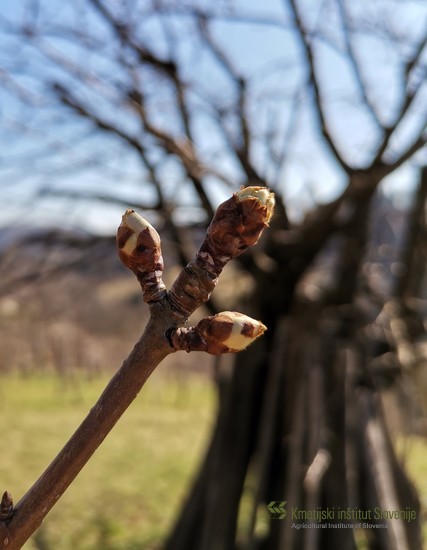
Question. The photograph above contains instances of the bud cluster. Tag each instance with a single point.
(237, 225)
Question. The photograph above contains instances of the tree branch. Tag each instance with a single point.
(242, 149)
(70, 101)
(406, 155)
(122, 30)
(354, 64)
(185, 151)
(309, 55)
(237, 225)
(407, 101)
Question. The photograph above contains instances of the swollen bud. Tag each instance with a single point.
(238, 224)
(229, 331)
(224, 332)
(139, 248)
(138, 243)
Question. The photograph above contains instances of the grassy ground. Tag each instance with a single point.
(127, 495)
(412, 452)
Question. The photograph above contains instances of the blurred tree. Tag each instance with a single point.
(198, 98)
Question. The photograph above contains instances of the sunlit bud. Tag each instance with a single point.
(229, 331)
(138, 243)
(224, 332)
(139, 249)
(238, 224)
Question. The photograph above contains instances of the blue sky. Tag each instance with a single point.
(43, 148)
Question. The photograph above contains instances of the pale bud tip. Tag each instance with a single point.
(245, 330)
(132, 220)
(229, 331)
(139, 244)
(262, 194)
(130, 229)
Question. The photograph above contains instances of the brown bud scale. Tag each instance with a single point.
(146, 255)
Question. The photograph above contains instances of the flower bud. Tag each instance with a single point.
(229, 331)
(139, 248)
(237, 224)
(138, 243)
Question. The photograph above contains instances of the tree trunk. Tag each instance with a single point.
(300, 420)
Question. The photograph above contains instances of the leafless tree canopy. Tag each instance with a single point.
(169, 105)
(204, 97)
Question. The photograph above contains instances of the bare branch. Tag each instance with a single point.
(241, 16)
(416, 56)
(185, 151)
(242, 149)
(354, 63)
(68, 99)
(319, 111)
(167, 67)
(101, 197)
(406, 155)
(411, 93)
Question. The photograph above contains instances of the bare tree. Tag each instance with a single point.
(188, 92)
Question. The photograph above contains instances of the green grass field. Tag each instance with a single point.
(127, 496)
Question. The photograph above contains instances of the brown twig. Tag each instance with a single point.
(248, 212)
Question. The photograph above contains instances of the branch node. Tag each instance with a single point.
(186, 339)
(6, 507)
(5, 536)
